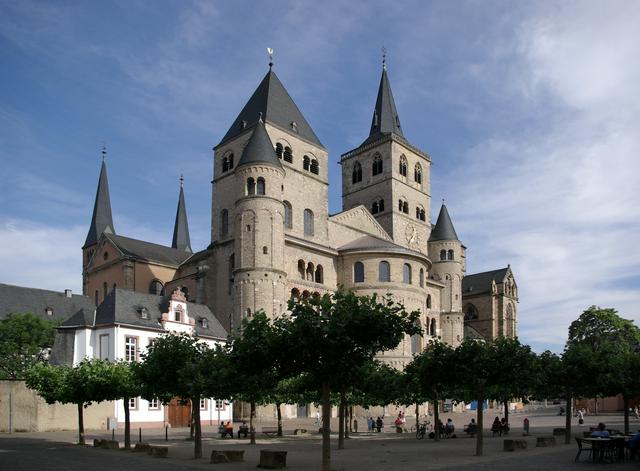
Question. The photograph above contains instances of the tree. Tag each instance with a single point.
(87, 382)
(428, 377)
(178, 366)
(124, 385)
(24, 341)
(326, 336)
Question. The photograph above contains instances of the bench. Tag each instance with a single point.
(270, 431)
(159, 451)
(471, 429)
(227, 456)
(513, 445)
(225, 432)
(142, 448)
(270, 459)
(301, 431)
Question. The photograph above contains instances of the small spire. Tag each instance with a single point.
(104, 151)
(270, 52)
(384, 58)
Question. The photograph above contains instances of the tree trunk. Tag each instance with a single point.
(252, 430)
(595, 406)
(567, 421)
(127, 425)
(506, 412)
(349, 426)
(341, 423)
(197, 426)
(279, 415)
(436, 418)
(626, 414)
(417, 416)
(479, 419)
(80, 424)
(191, 422)
(326, 418)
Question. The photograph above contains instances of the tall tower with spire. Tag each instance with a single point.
(448, 256)
(390, 176)
(101, 220)
(181, 239)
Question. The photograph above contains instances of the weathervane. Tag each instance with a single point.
(384, 58)
(104, 151)
(270, 52)
(181, 179)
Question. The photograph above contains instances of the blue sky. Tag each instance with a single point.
(530, 112)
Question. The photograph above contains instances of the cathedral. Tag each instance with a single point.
(273, 238)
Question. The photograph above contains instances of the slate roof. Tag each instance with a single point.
(443, 229)
(277, 108)
(148, 251)
(385, 115)
(259, 149)
(369, 242)
(19, 299)
(480, 283)
(101, 220)
(181, 239)
(123, 307)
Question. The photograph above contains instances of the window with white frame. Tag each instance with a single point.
(104, 346)
(154, 404)
(133, 403)
(203, 403)
(131, 348)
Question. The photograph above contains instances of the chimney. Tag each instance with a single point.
(67, 293)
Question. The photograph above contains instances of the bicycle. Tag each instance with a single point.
(421, 430)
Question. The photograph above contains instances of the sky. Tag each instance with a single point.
(530, 112)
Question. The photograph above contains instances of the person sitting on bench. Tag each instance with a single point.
(244, 429)
(472, 427)
(226, 429)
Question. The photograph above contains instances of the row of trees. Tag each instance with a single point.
(323, 352)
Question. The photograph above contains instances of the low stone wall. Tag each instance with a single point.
(25, 411)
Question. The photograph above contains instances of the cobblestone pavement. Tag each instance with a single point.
(363, 452)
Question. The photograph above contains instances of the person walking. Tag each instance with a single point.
(379, 425)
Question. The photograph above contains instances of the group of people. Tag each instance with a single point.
(374, 425)
(500, 426)
(226, 429)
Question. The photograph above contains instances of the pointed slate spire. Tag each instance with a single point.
(259, 149)
(101, 221)
(444, 227)
(277, 108)
(181, 240)
(385, 116)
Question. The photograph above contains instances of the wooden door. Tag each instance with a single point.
(179, 414)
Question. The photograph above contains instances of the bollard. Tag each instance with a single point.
(113, 434)
(525, 426)
(166, 433)
(139, 434)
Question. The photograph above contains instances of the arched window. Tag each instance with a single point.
(417, 212)
(406, 273)
(310, 271)
(288, 154)
(420, 214)
(450, 255)
(428, 301)
(417, 174)
(403, 166)
(381, 206)
(432, 330)
(225, 164)
(374, 208)
(251, 186)
(295, 293)
(265, 250)
(305, 294)
(470, 312)
(421, 278)
(356, 174)
(279, 150)
(288, 215)
(400, 205)
(358, 272)
(443, 254)
(224, 223)
(314, 166)
(319, 274)
(230, 161)
(301, 269)
(384, 271)
(248, 312)
(306, 163)
(405, 207)
(308, 222)
(260, 186)
(377, 165)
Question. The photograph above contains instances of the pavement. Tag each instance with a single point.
(364, 451)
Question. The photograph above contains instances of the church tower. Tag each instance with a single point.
(181, 239)
(448, 256)
(389, 176)
(101, 221)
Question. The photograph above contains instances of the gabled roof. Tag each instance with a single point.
(385, 115)
(259, 149)
(148, 251)
(124, 307)
(101, 220)
(443, 229)
(480, 283)
(22, 300)
(181, 240)
(277, 108)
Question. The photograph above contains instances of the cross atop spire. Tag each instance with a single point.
(384, 58)
(101, 220)
(181, 240)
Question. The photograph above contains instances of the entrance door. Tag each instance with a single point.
(303, 411)
(179, 413)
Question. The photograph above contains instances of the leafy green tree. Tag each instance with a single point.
(326, 336)
(124, 385)
(294, 390)
(178, 366)
(24, 341)
(87, 382)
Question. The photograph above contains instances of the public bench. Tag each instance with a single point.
(515, 444)
(142, 448)
(471, 429)
(270, 459)
(545, 442)
(270, 431)
(106, 444)
(159, 451)
(227, 456)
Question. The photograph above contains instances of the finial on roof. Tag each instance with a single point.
(104, 151)
(443, 201)
(181, 180)
(384, 58)
(270, 52)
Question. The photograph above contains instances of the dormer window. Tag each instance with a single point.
(294, 126)
(204, 323)
(243, 124)
(49, 311)
(144, 313)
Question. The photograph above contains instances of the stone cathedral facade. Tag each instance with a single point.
(272, 237)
